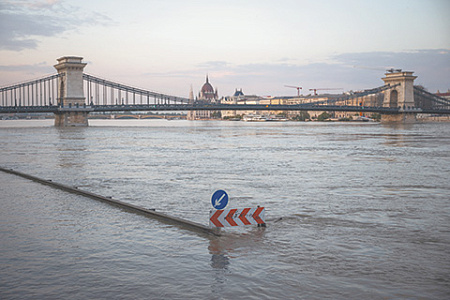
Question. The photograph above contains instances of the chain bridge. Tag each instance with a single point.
(72, 94)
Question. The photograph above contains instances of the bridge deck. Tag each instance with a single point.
(216, 107)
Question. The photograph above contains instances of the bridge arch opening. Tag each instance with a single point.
(393, 99)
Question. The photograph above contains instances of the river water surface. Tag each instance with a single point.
(353, 210)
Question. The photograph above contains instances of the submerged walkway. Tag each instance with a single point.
(151, 213)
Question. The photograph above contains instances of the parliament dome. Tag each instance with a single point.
(207, 92)
(207, 87)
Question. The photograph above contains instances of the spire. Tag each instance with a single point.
(191, 94)
(207, 81)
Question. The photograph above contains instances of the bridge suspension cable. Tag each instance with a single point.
(104, 92)
(426, 99)
(38, 92)
(344, 99)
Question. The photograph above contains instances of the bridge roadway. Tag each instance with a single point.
(216, 107)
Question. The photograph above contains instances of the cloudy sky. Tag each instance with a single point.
(257, 45)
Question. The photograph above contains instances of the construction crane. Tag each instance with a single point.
(324, 89)
(295, 87)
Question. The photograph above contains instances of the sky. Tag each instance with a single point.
(259, 46)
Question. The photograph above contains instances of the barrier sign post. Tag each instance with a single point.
(237, 217)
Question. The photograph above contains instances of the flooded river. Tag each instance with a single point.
(353, 210)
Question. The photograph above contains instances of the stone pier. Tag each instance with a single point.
(72, 109)
(405, 118)
(401, 96)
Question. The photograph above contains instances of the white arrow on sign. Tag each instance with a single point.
(219, 200)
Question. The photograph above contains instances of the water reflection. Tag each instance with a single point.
(399, 126)
(397, 140)
(219, 259)
(71, 147)
(219, 263)
(223, 249)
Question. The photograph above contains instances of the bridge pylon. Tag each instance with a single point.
(72, 109)
(400, 96)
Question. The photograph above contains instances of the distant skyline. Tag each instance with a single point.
(259, 46)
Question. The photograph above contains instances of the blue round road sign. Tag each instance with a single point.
(219, 199)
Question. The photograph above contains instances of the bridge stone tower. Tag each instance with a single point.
(72, 109)
(400, 96)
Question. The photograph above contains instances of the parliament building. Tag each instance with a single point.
(207, 95)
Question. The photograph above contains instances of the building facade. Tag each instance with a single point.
(238, 98)
(327, 99)
(445, 95)
(207, 95)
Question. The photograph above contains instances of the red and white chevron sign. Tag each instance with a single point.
(236, 217)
